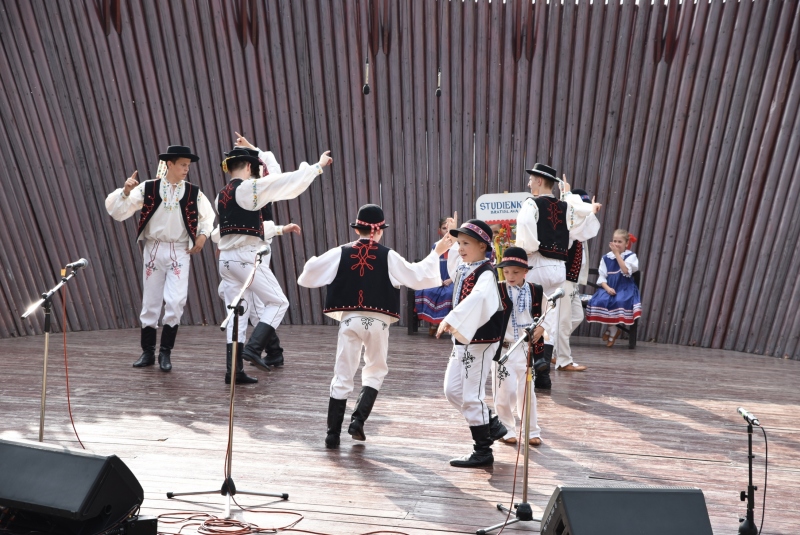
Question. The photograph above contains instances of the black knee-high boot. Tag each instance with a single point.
(482, 450)
(364, 405)
(336, 408)
(274, 350)
(542, 380)
(148, 357)
(256, 344)
(168, 334)
(241, 377)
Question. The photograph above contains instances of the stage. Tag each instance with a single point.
(657, 415)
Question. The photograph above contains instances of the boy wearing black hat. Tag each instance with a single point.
(522, 304)
(363, 279)
(241, 232)
(175, 222)
(475, 324)
(544, 229)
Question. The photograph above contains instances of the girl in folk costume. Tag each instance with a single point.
(240, 205)
(545, 227)
(363, 279)
(617, 300)
(522, 304)
(175, 222)
(433, 304)
(475, 325)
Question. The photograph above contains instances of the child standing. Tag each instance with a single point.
(522, 304)
(475, 324)
(433, 304)
(617, 300)
(363, 279)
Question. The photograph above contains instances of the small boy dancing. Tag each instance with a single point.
(363, 279)
(475, 324)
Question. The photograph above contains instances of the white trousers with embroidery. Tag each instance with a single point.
(235, 266)
(357, 332)
(165, 277)
(570, 315)
(551, 275)
(508, 387)
(465, 380)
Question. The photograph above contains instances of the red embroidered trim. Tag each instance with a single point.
(366, 309)
(191, 216)
(226, 195)
(361, 298)
(147, 207)
(363, 257)
(554, 214)
(467, 286)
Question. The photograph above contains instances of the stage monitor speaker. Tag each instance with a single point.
(628, 510)
(51, 489)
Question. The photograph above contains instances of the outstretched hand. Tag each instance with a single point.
(242, 142)
(596, 206)
(325, 159)
(451, 222)
(444, 244)
(292, 227)
(130, 183)
(444, 327)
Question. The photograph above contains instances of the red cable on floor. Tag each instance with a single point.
(66, 366)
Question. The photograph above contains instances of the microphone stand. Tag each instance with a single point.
(523, 511)
(747, 525)
(46, 303)
(228, 486)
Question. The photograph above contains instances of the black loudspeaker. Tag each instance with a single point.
(51, 489)
(626, 511)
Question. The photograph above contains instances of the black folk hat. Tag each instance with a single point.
(583, 195)
(370, 217)
(475, 228)
(544, 171)
(514, 257)
(241, 153)
(178, 151)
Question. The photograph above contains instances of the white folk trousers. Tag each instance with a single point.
(165, 282)
(508, 387)
(359, 332)
(465, 380)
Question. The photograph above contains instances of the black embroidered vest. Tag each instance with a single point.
(491, 331)
(552, 228)
(233, 219)
(362, 281)
(188, 204)
(537, 293)
(266, 212)
(574, 260)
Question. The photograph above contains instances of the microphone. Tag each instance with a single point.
(82, 263)
(265, 249)
(749, 418)
(558, 294)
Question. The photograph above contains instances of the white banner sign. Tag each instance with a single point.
(500, 207)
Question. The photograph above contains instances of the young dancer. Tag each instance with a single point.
(363, 279)
(239, 206)
(475, 325)
(175, 222)
(617, 300)
(522, 304)
(545, 226)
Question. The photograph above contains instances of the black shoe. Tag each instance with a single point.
(274, 356)
(360, 414)
(255, 346)
(496, 428)
(275, 362)
(542, 379)
(168, 334)
(241, 377)
(482, 451)
(148, 340)
(336, 408)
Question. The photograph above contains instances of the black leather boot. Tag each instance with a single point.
(542, 364)
(241, 377)
(256, 344)
(148, 357)
(496, 428)
(336, 408)
(542, 380)
(168, 334)
(482, 454)
(274, 350)
(360, 414)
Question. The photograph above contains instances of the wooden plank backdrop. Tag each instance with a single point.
(682, 118)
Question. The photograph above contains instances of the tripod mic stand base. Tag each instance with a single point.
(522, 513)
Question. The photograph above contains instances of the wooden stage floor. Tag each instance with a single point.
(658, 415)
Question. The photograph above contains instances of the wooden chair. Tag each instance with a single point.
(632, 330)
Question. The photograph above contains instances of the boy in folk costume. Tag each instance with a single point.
(522, 304)
(363, 279)
(475, 324)
(545, 226)
(175, 222)
(240, 206)
(570, 311)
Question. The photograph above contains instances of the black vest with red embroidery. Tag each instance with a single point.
(537, 293)
(574, 260)
(362, 281)
(188, 204)
(552, 228)
(492, 330)
(233, 219)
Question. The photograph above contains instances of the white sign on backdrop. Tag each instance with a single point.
(500, 207)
